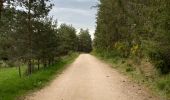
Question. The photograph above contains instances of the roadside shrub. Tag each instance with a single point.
(123, 61)
(123, 48)
(164, 84)
(161, 59)
(129, 68)
(107, 53)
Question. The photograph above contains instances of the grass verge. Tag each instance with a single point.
(158, 84)
(12, 87)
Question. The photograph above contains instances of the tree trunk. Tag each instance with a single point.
(29, 39)
(38, 64)
(29, 67)
(49, 62)
(33, 65)
(1, 7)
(45, 63)
(52, 61)
(19, 70)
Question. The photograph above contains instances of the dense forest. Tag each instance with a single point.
(137, 30)
(29, 35)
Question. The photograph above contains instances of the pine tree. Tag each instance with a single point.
(85, 42)
(67, 39)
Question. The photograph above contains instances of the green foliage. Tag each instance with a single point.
(129, 68)
(17, 40)
(85, 41)
(67, 38)
(45, 40)
(163, 84)
(119, 28)
(107, 54)
(161, 59)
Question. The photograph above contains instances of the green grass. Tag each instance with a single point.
(163, 86)
(160, 85)
(12, 87)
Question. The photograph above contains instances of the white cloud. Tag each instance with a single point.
(72, 10)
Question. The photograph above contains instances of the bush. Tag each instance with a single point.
(129, 68)
(161, 59)
(107, 53)
(164, 84)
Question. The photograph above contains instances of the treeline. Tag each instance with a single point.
(28, 35)
(135, 28)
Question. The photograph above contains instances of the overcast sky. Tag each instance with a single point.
(76, 12)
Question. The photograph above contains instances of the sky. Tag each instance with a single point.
(79, 13)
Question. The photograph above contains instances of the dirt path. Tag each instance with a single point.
(90, 79)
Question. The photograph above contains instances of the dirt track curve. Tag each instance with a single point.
(90, 79)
